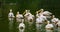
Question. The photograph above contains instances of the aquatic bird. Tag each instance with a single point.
(19, 17)
(21, 27)
(11, 15)
(29, 17)
(49, 27)
(58, 26)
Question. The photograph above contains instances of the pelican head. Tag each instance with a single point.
(41, 10)
(53, 16)
(36, 12)
(10, 10)
(18, 12)
(27, 11)
(48, 22)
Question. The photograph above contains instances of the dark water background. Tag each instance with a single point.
(21, 5)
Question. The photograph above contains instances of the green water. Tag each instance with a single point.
(5, 26)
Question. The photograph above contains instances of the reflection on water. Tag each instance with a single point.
(58, 29)
(49, 30)
(11, 24)
(29, 28)
(38, 27)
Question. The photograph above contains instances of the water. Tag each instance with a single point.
(13, 28)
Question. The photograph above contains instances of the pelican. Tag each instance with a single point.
(40, 21)
(49, 27)
(29, 17)
(19, 17)
(11, 15)
(47, 14)
(54, 20)
(26, 14)
(21, 27)
(58, 25)
(39, 12)
(40, 15)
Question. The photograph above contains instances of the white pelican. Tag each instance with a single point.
(54, 20)
(11, 15)
(58, 25)
(40, 15)
(39, 12)
(29, 17)
(19, 17)
(49, 27)
(21, 27)
(47, 14)
(40, 19)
